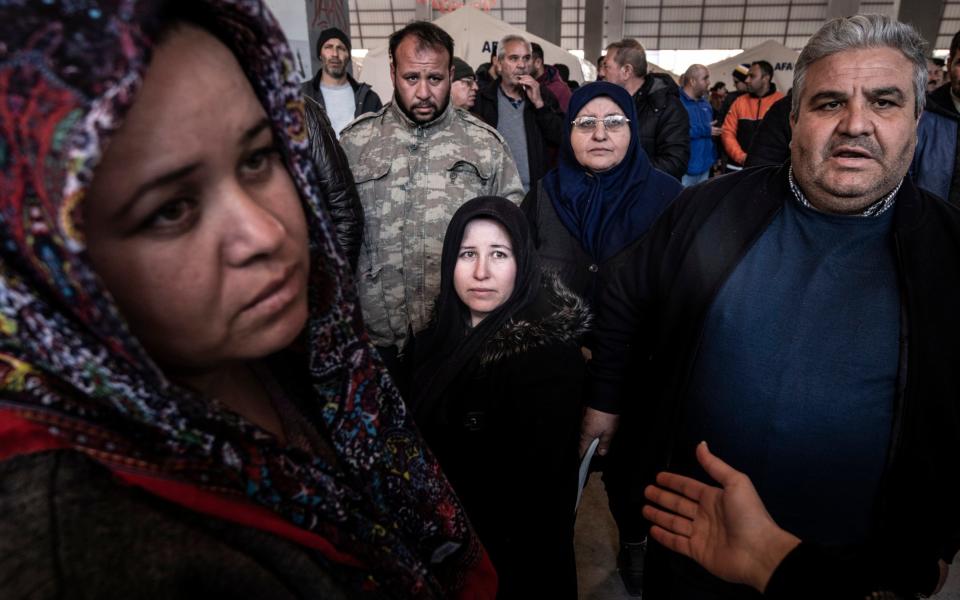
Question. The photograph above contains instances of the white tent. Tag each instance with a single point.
(474, 33)
(775, 53)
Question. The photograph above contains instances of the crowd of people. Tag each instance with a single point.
(276, 339)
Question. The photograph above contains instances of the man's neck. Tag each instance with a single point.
(330, 81)
(956, 100)
(511, 91)
(634, 84)
(763, 92)
(690, 93)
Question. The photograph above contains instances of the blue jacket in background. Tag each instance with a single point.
(936, 164)
(703, 152)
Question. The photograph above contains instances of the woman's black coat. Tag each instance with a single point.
(507, 440)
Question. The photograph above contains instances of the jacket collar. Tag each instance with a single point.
(908, 206)
(771, 91)
(563, 318)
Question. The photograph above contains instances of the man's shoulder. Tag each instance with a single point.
(476, 128)
(940, 102)
(755, 179)
(742, 103)
(365, 126)
(945, 214)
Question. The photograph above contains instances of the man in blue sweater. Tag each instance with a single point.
(801, 318)
(694, 86)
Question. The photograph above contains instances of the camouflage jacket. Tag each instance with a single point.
(411, 179)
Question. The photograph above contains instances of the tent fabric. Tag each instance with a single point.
(474, 33)
(782, 58)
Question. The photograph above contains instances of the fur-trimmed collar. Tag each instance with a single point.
(567, 320)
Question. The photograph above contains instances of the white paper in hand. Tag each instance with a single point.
(585, 469)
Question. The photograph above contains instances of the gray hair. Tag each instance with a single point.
(511, 37)
(861, 32)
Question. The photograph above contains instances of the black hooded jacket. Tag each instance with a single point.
(664, 124)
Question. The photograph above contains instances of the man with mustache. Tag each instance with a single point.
(801, 318)
(415, 161)
(332, 88)
(524, 112)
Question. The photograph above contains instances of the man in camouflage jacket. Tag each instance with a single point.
(415, 162)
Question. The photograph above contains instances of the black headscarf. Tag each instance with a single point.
(449, 345)
(607, 211)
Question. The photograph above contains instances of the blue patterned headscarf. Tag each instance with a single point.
(73, 377)
(609, 210)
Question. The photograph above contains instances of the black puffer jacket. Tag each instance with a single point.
(336, 182)
(664, 124)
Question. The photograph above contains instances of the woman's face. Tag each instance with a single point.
(486, 268)
(192, 220)
(600, 150)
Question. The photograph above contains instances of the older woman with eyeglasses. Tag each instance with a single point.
(604, 193)
(603, 196)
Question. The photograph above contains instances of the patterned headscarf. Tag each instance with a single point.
(378, 510)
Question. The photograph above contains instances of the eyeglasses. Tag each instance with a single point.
(610, 123)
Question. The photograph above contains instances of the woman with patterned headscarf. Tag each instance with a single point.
(188, 404)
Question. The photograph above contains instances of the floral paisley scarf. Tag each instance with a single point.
(377, 510)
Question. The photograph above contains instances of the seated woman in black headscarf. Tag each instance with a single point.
(497, 392)
(602, 197)
(189, 406)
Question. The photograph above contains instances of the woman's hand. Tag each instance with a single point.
(597, 424)
(727, 529)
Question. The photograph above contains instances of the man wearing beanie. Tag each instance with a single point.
(332, 88)
(463, 90)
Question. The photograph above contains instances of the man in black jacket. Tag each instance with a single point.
(525, 113)
(333, 88)
(802, 319)
(664, 123)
